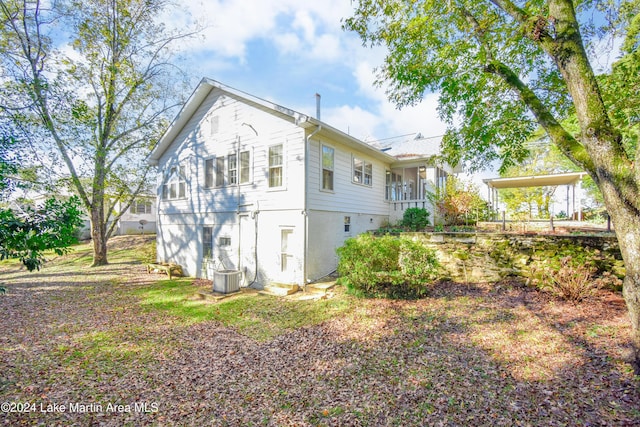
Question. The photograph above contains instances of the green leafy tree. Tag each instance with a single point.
(27, 234)
(543, 158)
(8, 165)
(99, 104)
(502, 68)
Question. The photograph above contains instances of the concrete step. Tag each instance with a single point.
(280, 289)
(320, 288)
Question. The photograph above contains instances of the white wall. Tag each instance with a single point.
(327, 233)
(180, 222)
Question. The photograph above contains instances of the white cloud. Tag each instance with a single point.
(310, 32)
(352, 120)
(288, 43)
(421, 118)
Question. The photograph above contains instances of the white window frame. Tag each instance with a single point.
(232, 169)
(330, 169)
(207, 246)
(136, 204)
(362, 171)
(175, 184)
(244, 170)
(275, 166)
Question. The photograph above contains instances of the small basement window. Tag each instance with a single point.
(347, 224)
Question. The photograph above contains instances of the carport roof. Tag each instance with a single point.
(568, 178)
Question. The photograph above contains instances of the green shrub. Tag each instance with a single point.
(386, 266)
(415, 218)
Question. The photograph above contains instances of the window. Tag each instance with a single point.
(219, 171)
(214, 169)
(208, 173)
(215, 121)
(362, 171)
(175, 186)
(327, 168)
(207, 242)
(441, 179)
(232, 167)
(140, 207)
(347, 224)
(275, 166)
(286, 257)
(245, 165)
(225, 241)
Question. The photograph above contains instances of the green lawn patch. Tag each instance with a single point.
(258, 316)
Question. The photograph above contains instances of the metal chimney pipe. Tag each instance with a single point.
(318, 106)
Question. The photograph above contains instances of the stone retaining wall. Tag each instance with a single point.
(481, 257)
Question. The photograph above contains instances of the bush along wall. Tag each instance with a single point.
(387, 266)
(571, 267)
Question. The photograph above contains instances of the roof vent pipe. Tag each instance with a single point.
(318, 106)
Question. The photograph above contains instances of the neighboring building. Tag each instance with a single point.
(252, 186)
(140, 218)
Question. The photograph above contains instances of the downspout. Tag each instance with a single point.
(238, 201)
(305, 211)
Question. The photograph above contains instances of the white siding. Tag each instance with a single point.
(346, 196)
(240, 127)
(327, 233)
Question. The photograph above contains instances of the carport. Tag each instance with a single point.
(572, 180)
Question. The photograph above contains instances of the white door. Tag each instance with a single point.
(287, 258)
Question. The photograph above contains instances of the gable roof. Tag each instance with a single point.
(206, 85)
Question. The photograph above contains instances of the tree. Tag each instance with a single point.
(101, 107)
(27, 234)
(459, 201)
(7, 163)
(502, 68)
(543, 158)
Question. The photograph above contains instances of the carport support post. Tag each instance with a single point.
(504, 221)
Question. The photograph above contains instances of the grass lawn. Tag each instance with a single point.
(114, 345)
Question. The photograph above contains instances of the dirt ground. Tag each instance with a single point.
(78, 347)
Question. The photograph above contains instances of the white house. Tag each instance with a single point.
(139, 218)
(258, 188)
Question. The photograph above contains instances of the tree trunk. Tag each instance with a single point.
(99, 238)
(627, 227)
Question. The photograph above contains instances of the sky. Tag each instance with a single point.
(286, 51)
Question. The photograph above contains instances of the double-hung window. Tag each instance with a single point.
(215, 174)
(327, 167)
(362, 172)
(275, 166)
(140, 207)
(175, 186)
(232, 167)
